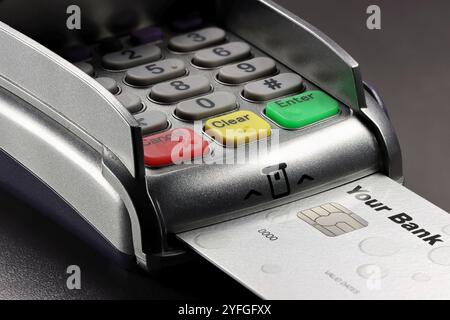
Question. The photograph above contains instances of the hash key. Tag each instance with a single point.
(271, 88)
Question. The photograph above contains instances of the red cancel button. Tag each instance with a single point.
(173, 147)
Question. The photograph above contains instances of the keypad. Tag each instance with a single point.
(206, 106)
(172, 82)
(247, 70)
(155, 72)
(180, 89)
(132, 57)
(197, 39)
(274, 87)
(221, 55)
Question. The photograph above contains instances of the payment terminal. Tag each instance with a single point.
(234, 129)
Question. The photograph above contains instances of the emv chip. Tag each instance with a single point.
(332, 219)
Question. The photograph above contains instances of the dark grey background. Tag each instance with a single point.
(408, 61)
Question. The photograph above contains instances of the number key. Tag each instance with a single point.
(197, 39)
(206, 106)
(180, 89)
(151, 121)
(218, 56)
(131, 57)
(247, 70)
(155, 72)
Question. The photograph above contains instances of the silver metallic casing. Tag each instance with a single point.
(41, 112)
(75, 137)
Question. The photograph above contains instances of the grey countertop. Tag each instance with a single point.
(407, 61)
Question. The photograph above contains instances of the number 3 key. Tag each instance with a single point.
(197, 39)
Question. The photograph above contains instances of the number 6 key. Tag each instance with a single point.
(221, 55)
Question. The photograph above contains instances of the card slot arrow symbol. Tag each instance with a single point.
(305, 177)
(252, 193)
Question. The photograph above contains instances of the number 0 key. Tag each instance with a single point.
(206, 106)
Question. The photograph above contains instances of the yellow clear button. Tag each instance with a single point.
(237, 128)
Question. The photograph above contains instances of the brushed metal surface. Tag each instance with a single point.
(377, 120)
(67, 165)
(200, 195)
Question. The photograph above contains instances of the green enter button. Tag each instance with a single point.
(301, 110)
